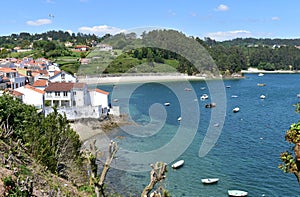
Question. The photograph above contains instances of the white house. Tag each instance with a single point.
(99, 97)
(81, 94)
(15, 79)
(60, 94)
(53, 69)
(67, 94)
(105, 47)
(32, 96)
(62, 76)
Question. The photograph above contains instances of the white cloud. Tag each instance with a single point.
(50, 1)
(171, 12)
(39, 22)
(193, 14)
(222, 7)
(100, 30)
(275, 18)
(228, 35)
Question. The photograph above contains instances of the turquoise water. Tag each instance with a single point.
(246, 154)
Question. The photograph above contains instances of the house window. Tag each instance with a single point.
(57, 93)
(65, 94)
(63, 76)
(74, 93)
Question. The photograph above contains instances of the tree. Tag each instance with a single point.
(291, 163)
(157, 175)
(91, 156)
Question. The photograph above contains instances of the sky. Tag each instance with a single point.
(217, 19)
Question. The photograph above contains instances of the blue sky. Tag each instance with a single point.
(219, 20)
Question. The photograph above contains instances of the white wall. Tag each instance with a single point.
(68, 78)
(99, 99)
(32, 97)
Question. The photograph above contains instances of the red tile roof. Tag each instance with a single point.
(79, 85)
(59, 87)
(16, 93)
(101, 91)
(39, 83)
(34, 89)
(7, 70)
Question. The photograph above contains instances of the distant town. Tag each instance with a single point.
(41, 83)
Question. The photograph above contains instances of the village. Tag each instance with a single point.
(41, 83)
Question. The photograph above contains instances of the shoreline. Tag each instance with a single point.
(137, 79)
(257, 71)
(107, 80)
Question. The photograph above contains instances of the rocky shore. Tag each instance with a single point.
(88, 128)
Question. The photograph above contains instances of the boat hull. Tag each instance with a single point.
(237, 193)
(209, 180)
(178, 164)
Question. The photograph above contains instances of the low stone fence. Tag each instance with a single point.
(75, 113)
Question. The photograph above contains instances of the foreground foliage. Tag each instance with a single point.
(291, 160)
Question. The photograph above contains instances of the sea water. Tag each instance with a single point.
(245, 152)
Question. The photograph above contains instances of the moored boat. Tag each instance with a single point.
(235, 110)
(237, 193)
(210, 105)
(261, 74)
(261, 84)
(166, 104)
(203, 97)
(209, 180)
(178, 164)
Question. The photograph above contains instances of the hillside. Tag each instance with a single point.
(21, 175)
(157, 51)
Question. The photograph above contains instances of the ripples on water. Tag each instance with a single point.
(246, 155)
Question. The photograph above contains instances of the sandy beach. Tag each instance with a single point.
(135, 79)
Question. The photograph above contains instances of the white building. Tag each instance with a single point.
(32, 96)
(60, 94)
(100, 97)
(15, 79)
(81, 94)
(62, 76)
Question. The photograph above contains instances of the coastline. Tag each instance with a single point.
(256, 71)
(169, 77)
(136, 79)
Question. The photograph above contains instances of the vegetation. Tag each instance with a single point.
(291, 160)
(151, 53)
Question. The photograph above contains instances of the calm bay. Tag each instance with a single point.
(245, 154)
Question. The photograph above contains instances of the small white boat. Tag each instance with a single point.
(298, 95)
(262, 96)
(261, 84)
(166, 104)
(234, 96)
(216, 125)
(177, 164)
(261, 74)
(237, 193)
(203, 97)
(228, 86)
(236, 109)
(209, 180)
(179, 119)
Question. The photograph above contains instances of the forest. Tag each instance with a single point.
(230, 56)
